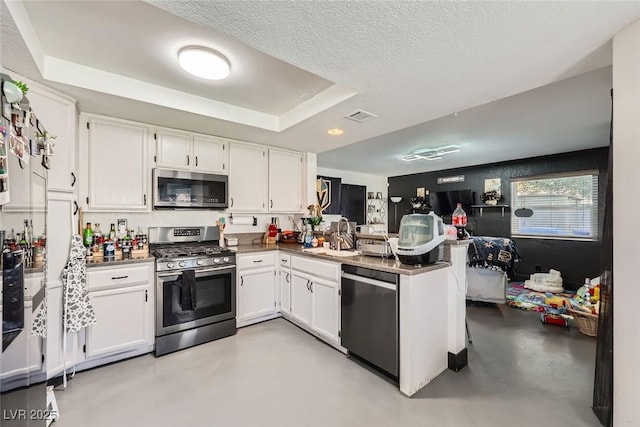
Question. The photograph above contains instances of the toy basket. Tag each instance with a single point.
(587, 322)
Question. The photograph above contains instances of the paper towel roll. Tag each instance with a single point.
(242, 220)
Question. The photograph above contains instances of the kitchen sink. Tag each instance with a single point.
(332, 252)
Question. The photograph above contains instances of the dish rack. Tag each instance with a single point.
(372, 247)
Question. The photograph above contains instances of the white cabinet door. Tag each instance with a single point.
(301, 305)
(24, 355)
(247, 178)
(285, 181)
(326, 308)
(122, 320)
(211, 154)
(285, 290)
(27, 185)
(58, 115)
(257, 293)
(173, 149)
(118, 173)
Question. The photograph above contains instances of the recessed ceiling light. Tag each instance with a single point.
(204, 63)
(335, 131)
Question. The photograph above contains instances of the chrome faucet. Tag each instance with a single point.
(338, 238)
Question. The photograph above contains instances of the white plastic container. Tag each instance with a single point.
(231, 241)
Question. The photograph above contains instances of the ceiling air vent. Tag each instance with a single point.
(360, 116)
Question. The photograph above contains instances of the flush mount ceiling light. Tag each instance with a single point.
(335, 131)
(204, 63)
(431, 153)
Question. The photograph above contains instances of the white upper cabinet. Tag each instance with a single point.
(247, 177)
(210, 154)
(189, 151)
(117, 177)
(173, 149)
(58, 115)
(286, 177)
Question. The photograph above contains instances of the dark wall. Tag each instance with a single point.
(574, 259)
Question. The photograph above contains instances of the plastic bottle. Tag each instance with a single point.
(459, 220)
(308, 238)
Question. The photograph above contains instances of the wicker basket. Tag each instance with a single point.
(587, 322)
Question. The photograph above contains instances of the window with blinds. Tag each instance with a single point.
(556, 206)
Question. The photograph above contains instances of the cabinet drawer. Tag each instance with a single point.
(326, 269)
(262, 259)
(284, 260)
(32, 285)
(118, 277)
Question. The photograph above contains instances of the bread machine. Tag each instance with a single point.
(421, 239)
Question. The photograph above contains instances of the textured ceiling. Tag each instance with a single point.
(569, 115)
(409, 62)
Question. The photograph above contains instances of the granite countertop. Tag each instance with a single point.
(375, 263)
(138, 260)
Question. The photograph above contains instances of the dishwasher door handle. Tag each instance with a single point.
(368, 281)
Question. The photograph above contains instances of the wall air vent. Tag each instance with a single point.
(360, 116)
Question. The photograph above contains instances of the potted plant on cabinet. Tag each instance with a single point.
(490, 197)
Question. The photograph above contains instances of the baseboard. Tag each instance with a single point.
(458, 361)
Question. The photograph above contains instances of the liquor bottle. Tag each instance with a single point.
(30, 231)
(88, 236)
(459, 220)
(97, 234)
(112, 233)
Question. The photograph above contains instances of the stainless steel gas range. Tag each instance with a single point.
(195, 287)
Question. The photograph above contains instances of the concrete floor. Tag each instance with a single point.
(521, 373)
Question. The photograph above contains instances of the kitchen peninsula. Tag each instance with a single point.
(431, 307)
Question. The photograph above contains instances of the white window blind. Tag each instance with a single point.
(556, 206)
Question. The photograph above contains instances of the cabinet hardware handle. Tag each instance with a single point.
(241, 280)
(188, 160)
(311, 287)
(146, 295)
(145, 200)
(255, 261)
(287, 277)
(73, 175)
(232, 202)
(223, 166)
(308, 283)
(75, 211)
(119, 277)
(271, 204)
(196, 161)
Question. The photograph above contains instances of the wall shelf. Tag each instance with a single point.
(376, 211)
(482, 207)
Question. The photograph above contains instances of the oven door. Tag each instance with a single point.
(215, 299)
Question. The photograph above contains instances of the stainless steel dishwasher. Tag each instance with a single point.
(369, 329)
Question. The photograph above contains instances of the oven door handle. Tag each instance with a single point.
(206, 270)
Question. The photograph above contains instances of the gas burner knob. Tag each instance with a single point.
(182, 264)
(170, 265)
(225, 259)
(199, 262)
(216, 260)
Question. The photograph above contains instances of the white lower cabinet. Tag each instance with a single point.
(123, 300)
(23, 357)
(121, 324)
(285, 290)
(256, 288)
(301, 310)
(325, 318)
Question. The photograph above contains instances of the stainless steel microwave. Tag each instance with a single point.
(189, 190)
